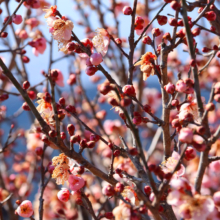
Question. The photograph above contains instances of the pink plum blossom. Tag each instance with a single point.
(40, 46)
(25, 209)
(169, 165)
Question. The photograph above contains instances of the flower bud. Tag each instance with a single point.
(169, 88)
(80, 170)
(196, 32)
(108, 190)
(172, 22)
(91, 70)
(96, 59)
(186, 135)
(190, 153)
(175, 5)
(147, 40)
(125, 102)
(119, 187)
(205, 49)
(175, 102)
(127, 10)
(133, 151)
(62, 135)
(109, 215)
(210, 16)
(63, 195)
(91, 144)
(139, 20)
(217, 97)
(137, 120)
(192, 62)
(70, 129)
(210, 107)
(147, 190)
(25, 59)
(212, 28)
(216, 198)
(5, 96)
(118, 41)
(70, 108)
(71, 46)
(156, 32)
(52, 133)
(72, 79)
(26, 107)
(39, 151)
(4, 34)
(129, 90)
(17, 19)
(112, 101)
(147, 108)
(116, 153)
(181, 86)
(83, 143)
(94, 137)
(26, 85)
(75, 139)
(161, 19)
(167, 36)
(79, 201)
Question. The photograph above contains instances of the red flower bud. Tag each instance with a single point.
(25, 59)
(161, 19)
(26, 107)
(127, 10)
(125, 102)
(170, 88)
(80, 169)
(91, 144)
(137, 120)
(26, 85)
(192, 62)
(147, 108)
(52, 133)
(116, 153)
(118, 41)
(4, 34)
(133, 151)
(91, 70)
(147, 40)
(70, 108)
(39, 151)
(62, 135)
(129, 90)
(210, 16)
(70, 129)
(175, 5)
(71, 46)
(156, 32)
(109, 215)
(94, 137)
(75, 139)
(196, 32)
(210, 107)
(139, 20)
(119, 187)
(147, 190)
(172, 22)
